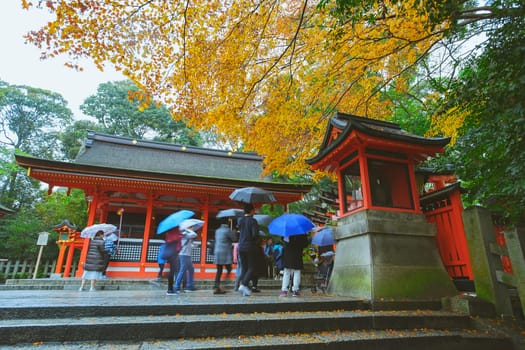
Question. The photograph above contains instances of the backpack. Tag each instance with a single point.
(174, 246)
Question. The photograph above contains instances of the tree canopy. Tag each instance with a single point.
(117, 113)
(489, 99)
(267, 75)
(30, 119)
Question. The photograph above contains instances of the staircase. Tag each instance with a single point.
(149, 319)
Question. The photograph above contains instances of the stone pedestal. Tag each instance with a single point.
(383, 255)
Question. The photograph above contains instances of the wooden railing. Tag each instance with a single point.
(11, 269)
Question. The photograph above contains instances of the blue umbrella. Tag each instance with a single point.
(324, 237)
(174, 220)
(290, 225)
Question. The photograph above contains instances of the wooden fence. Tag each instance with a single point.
(11, 269)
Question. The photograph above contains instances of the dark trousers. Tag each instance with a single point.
(174, 269)
(249, 261)
(107, 258)
(219, 273)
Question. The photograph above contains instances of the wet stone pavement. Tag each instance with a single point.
(146, 305)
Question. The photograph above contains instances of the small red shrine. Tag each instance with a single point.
(68, 240)
(385, 246)
(135, 184)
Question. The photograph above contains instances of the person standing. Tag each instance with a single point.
(268, 257)
(223, 254)
(186, 265)
(293, 262)
(95, 263)
(248, 236)
(278, 259)
(110, 249)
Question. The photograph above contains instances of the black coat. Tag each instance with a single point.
(293, 252)
(95, 255)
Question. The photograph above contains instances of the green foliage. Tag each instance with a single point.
(30, 119)
(412, 109)
(60, 206)
(117, 114)
(489, 155)
(73, 137)
(19, 231)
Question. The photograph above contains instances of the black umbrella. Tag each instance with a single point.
(252, 195)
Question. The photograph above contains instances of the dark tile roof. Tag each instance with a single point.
(5, 210)
(387, 130)
(159, 157)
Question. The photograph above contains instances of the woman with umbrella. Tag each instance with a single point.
(187, 228)
(293, 262)
(294, 228)
(95, 263)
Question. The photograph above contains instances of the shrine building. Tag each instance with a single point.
(134, 184)
(386, 246)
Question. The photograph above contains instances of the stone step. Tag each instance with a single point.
(173, 326)
(150, 319)
(121, 284)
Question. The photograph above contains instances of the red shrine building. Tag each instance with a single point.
(135, 184)
(396, 238)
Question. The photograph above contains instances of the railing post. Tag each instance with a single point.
(515, 238)
(479, 230)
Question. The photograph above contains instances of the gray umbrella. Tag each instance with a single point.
(252, 195)
(263, 219)
(230, 213)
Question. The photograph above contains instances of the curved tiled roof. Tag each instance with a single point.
(385, 130)
(127, 153)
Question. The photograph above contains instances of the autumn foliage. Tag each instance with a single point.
(265, 75)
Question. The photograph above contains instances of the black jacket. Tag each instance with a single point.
(293, 252)
(95, 256)
(248, 233)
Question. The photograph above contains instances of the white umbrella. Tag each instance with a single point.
(195, 223)
(91, 231)
(230, 213)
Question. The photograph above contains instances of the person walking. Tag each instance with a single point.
(223, 254)
(95, 262)
(248, 236)
(186, 265)
(259, 269)
(293, 262)
(171, 255)
(162, 262)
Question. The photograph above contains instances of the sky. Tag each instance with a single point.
(20, 63)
